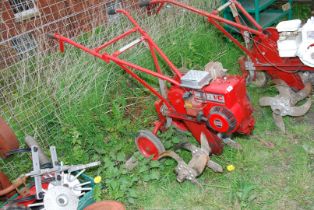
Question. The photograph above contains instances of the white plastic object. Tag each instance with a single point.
(288, 46)
(289, 25)
(289, 38)
(306, 48)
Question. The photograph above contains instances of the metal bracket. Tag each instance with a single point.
(55, 163)
(249, 66)
(234, 10)
(37, 177)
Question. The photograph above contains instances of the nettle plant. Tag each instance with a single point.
(122, 184)
(113, 149)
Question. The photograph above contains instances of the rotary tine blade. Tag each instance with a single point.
(279, 122)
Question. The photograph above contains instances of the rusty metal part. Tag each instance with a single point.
(279, 122)
(4, 183)
(8, 140)
(14, 186)
(228, 141)
(106, 205)
(307, 77)
(284, 104)
(215, 69)
(200, 160)
(215, 166)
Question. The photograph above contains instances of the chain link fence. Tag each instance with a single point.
(39, 85)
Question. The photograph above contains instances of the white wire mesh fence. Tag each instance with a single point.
(39, 85)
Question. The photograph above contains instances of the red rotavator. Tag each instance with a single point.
(208, 102)
(285, 53)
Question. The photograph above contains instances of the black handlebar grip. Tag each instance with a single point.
(144, 3)
(112, 12)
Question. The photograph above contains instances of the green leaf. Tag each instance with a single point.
(168, 162)
(167, 144)
(132, 193)
(146, 177)
(100, 151)
(154, 164)
(124, 171)
(143, 168)
(114, 185)
(175, 140)
(131, 200)
(135, 179)
(121, 156)
(155, 175)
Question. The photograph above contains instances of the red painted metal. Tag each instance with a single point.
(29, 192)
(106, 205)
(4, 183)
(185, 114)
(32, 192)
(197, 128)
(263, 53)
(148, 148)
(8, 140)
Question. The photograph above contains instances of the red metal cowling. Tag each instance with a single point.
(232, 110)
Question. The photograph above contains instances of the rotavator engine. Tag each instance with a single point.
(212, 96)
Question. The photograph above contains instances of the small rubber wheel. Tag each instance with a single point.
(8, 140)
(149, 144)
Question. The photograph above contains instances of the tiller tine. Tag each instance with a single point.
(266, 101)
(215, 166)
(231, 143)
(302, 94)
(173, 155)
(284, 103)
(205, 147)
(283, 89)
(279, 122)
(204, 144)
(286, 92)
(300, 110)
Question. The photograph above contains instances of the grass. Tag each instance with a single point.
(100, 109)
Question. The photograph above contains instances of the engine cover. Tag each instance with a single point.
(297, 40)
(223, 103)
(306, 48)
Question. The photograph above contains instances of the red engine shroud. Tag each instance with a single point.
(223, 103)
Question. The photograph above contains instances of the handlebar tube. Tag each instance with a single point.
(125, 65)
(213, 15)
